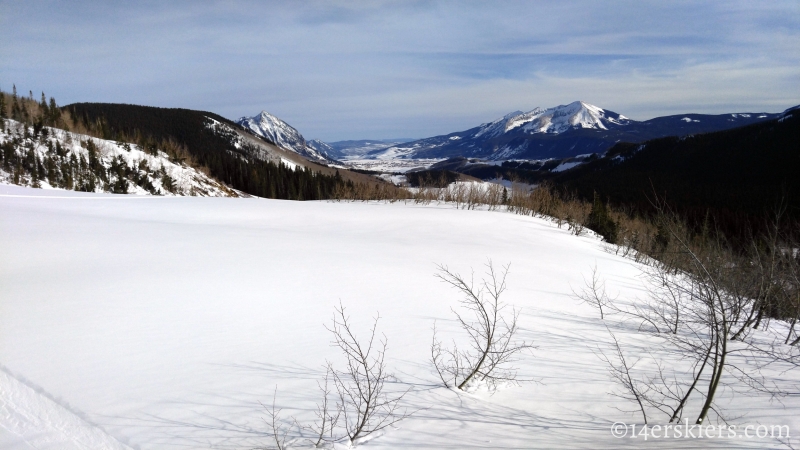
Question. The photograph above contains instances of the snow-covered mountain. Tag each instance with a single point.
(576, 115)
(283, 135)
(323, 148)
(558, 132)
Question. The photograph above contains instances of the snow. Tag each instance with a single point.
(390, 165)
(162, 322)
(288, 164)
(397, 180)
(689, 119)
(566, 166)
(564, 117)
(31, 419)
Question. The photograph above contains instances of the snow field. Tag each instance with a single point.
(164, 321)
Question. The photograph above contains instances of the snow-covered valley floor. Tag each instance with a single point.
(162, 322)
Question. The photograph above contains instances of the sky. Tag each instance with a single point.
(340, 70)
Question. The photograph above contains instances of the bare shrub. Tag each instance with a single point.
(594, 294)
(379, 190)
(619, 370)
(323, 428)
(699, 304)
(278, 431)
(493, 346)
(364, 406)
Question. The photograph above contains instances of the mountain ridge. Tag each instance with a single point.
(561, 131)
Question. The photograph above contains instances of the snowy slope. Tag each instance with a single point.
(150, 173)
(354, 149)
(166, 320)
(322, 148)
(555, 120)
(31, 420)
(281, 134)
(558, 132)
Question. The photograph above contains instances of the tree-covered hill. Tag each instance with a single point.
(210, 141)
(728, 179)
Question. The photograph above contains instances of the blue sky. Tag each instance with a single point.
(385, 69)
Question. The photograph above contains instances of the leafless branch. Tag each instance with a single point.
(491, 331)
(364, 406)
(594, 294)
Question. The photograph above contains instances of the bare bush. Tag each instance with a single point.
(594, 294)
(278, 431)
(699, 304)
(664, 308)
(493, 346)
(364, 405)
(619, 370)
(327, 415)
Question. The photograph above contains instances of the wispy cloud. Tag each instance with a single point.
(339, 70)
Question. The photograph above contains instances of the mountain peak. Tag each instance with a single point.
(267, 115)
(280, 133)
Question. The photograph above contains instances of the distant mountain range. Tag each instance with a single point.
(559, 132)
(562, 131)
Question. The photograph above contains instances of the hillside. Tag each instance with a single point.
(735, 176)
(230, 154)
(54, 158)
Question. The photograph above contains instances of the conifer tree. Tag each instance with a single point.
(3, 107)
(600, 222)
(43, 107)
(14, 104)
(55, 113)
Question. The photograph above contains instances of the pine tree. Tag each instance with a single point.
(3, 114)
(661, 240)
(600, 222)
(55, 113)
(43, 107)
(14, 104)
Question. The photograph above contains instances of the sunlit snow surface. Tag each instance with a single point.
(159, 322)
